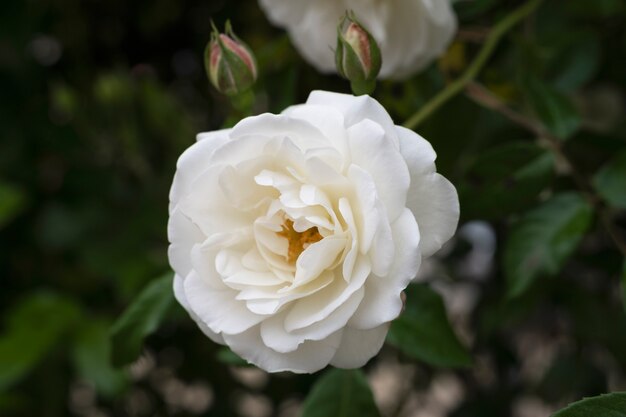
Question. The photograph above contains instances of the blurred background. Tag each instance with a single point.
(99, 98)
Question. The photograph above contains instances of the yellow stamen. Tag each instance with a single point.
(298, 241)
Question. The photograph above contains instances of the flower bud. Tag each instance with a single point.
(357, 56)
(229, 63)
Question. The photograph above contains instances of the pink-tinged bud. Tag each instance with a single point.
(357, 56)
(229, 63)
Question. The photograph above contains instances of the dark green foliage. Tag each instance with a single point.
(34, 328)
(610, 181)
(505, 180)
(92, 355)
(424, 333)
(610, 405)
(543, 239)
(553, 108)
(340, 393)
(141, 318)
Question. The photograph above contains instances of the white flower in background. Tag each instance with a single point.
(410, 33)
(293, 235)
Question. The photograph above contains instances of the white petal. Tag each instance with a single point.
(302, 133)
(239, 186)
(359, 346)
(319, 306)
(371, 150)
(246, 278)
(179, 293)
(203, 262)
(327, 119)
(348, 263)
(432, 198)
(276, 337)
(219, 310)
(254, 261)
(212, 135)
(417, 151)
(236, 237)
(365, 210)
(357, 109)
(268, 301)
(310, 357)
(321, 172)
(382, 302)
(208, 208)
(318, 257)
(183, 235)
(383, 248)
(193, 162)
(435, 204)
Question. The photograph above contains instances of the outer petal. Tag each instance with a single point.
(310, 357)
(359, 346)
(371, 150)
(276, 337)
(432, 198)
(357, 109)
(179, 293)
(417, 151)
(218, 309)
(183, 235)
(328, 120)
(435, 204)
(301, 132)
(382, 302)
(193, 161)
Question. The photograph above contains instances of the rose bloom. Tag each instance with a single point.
(410, 33)
(293, 235)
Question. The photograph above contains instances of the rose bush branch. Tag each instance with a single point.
(482, 96)
(457, 86)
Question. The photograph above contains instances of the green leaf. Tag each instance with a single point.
(12, 201)
(576, 60)
(424, 332)
(92, 358)
(610, 181)
(505, 180)
(608, 405)
(140, 319)
(340, 393)
(543, 239)
(34, 327)
(554, 109)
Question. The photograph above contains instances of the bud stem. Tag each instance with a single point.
(243, 102)
(360, 88)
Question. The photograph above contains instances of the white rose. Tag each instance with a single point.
(410, 33)
(293, 235)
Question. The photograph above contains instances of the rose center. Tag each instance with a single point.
(298, 241)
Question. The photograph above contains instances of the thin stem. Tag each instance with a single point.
(485, 98)
(476, 66)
